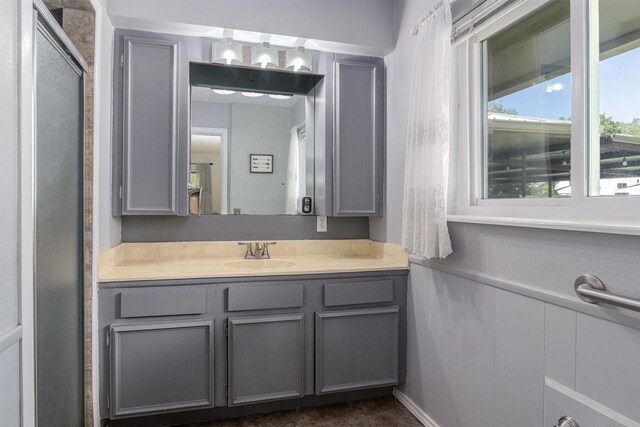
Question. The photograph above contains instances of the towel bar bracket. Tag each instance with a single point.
(591, 289)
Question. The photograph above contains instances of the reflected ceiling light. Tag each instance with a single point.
(625, 163)
(298, 60)
(264, 55)
(224, 91)
(252, 94)
(278, 96)
(227, 51)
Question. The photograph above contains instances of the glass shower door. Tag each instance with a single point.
(59, 234)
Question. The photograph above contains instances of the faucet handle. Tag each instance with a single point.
(249, 253)
(265, 251)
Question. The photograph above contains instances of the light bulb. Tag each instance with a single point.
(223, 91)
(624, 162)
(252, 94)
(227, 51)
(229, 56)
(278, 96)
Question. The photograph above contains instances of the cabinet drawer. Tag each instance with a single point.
(264, 297)
(358, 293)
(162, 302)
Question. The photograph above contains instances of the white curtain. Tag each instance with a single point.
(293, 174)
(424, 226)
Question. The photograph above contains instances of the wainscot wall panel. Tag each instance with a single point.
(483, 351)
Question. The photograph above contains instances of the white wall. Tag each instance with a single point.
(10, 330)
(398, 86)
(259, 129)
(108, 226)
(495, 333)
(357, 23)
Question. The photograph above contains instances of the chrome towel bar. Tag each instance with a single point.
(591, 289)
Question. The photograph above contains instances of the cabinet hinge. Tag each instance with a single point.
(226, 390)
(108, 338)
(108, 401)
(226, 330)
(122, 60)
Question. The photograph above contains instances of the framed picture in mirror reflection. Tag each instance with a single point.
(261, 163)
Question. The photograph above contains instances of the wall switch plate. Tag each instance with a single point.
(321, 224)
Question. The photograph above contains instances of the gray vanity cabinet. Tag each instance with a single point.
(358, 136)
(160, 366)
(356, 349)
(265, 358)
(280, 342)
(150, 125)
(350, 121)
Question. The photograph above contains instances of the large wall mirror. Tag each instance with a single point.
(252, 145)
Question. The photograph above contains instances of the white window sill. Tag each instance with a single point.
(610, 227)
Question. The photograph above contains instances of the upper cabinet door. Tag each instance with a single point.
(154, 123)
(358, 136)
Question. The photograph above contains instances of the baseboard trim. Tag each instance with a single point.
(415, 410)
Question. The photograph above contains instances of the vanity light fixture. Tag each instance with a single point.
(264, 55)
(278, 96)
(223, 91)
(298, 59)
(227, 51)
(252, 94)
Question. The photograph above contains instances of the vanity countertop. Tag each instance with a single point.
(186, 260)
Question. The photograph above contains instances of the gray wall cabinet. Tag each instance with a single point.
(265, 358)
(150, 125)
(350, 121)
(277, 339)
(160, 366)
(356, 349)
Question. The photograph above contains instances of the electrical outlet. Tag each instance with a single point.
(321, 224)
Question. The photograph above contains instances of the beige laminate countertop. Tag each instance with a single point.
(192, 260)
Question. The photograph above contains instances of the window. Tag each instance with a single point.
(616, 144)
(547, 128)
(527, 102)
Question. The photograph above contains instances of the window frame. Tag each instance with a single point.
(580, 211)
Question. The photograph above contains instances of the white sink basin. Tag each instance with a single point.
(259, 264)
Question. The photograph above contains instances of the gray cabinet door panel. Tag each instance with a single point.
(356, 349)
(358, 136)
(265, 358)
(152, 127)
(157, 367)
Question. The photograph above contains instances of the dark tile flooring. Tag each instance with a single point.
(382, 412)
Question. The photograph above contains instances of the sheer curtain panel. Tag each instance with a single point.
(424, 225)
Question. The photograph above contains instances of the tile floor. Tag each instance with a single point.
(382, 412)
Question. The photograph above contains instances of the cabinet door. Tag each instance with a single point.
(356, 349)
(358, 136)
(154, 136)
(266, 358)
(161, 367)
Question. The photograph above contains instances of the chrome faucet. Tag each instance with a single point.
(249, 254)
(257, 250)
